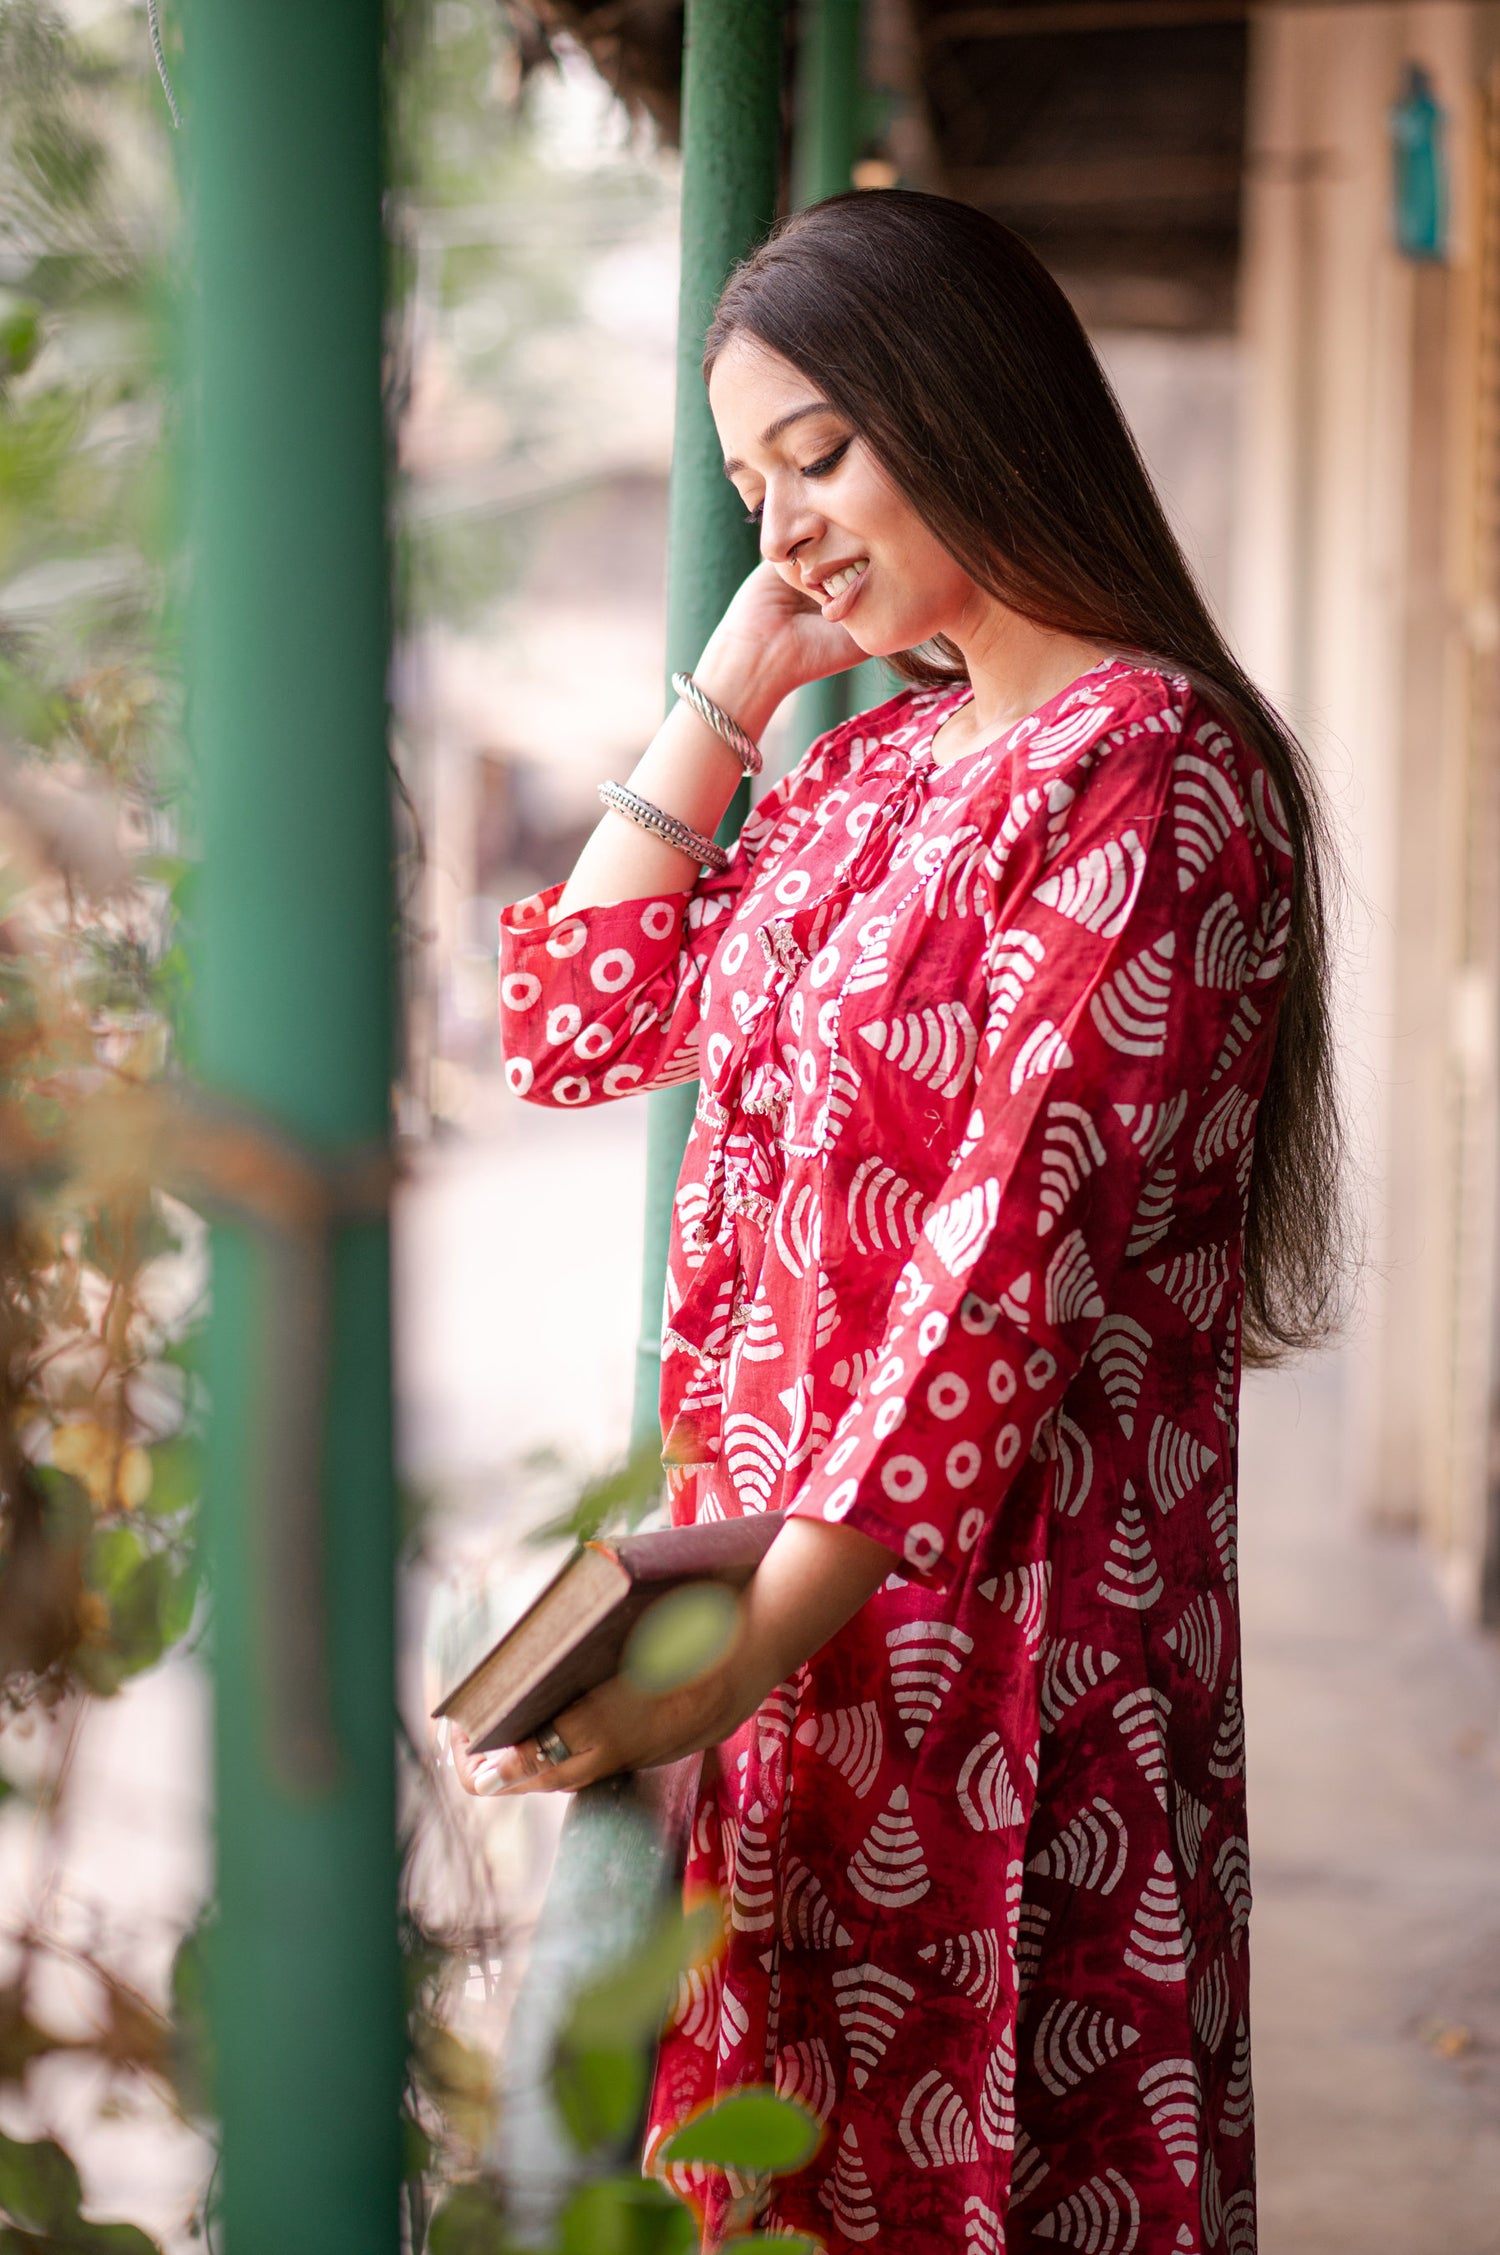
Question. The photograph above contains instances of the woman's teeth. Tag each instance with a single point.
(845, 578)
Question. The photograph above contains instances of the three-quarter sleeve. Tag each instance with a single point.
(1115, 972)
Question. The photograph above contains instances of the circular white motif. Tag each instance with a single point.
(564, 1021)
(887, 1375)
(1008, 1446)
(571, 1089)
(520, 1074)
(970, 1527)
(1040, 1367)
(977, 1316)
(565, 939)
(795, 1013)
(904, 1479)
(963, 1464)
(828, 1022)
(924, 1546)
(931, 1332)
(594, 1040)
(842, 1500)
(619, 1078)
(1001, 1382)
(857, 821)
(839, 1455)
(792, 889)
(519, 989)
(947, 1396)
(807, 1071)
(612, 970)
(888, 1417)
(658, 918)
(734, 953)
(717, 1054)
(824, 964)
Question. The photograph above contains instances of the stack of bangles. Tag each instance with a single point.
(655, 819)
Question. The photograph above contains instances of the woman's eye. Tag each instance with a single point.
(829, 462)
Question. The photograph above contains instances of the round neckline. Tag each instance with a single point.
(922, 753)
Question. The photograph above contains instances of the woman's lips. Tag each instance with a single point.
(839, 605)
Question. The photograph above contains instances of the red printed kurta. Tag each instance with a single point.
(957, 1261)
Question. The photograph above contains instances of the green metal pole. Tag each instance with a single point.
(731, 146)
(294, 1025)
(829, 82)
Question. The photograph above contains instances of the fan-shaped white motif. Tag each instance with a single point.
(1142, 1717)
(1175, 1462)
(804, 2071)
(1069, 1669)
(1031, 1935)
(1022, 1593)
(971, 1962)
(1012, 967)
(926, 1660)
(1153, 1213)
(1099, 890)
(1208, 2007)
(1190, 1820)
(1131, 1575)
(997, 2097)
(1090, 1850)
(1206, 811)
(1072, 2040)
(760, 1341)
(872, 965)
(935, 2126)
(953, 882)
(752, 1898)
(754, 1453)
(1071, 1150)
(986, 1794)
(1071, 1290)
(843, 1088)
(695, 2013)
(888, 1868)
(1104, 2217)
(984, 2233)
(957, 1230)
(1270, 814)
(1239, 2224)
(885, 1212)
(1221, 952)
(797, 1230)
(1016, 1301)
(734, 2022)
(1239, 2101)
(852, 1739)
(1227, 1758)
(1120, 1348)
(1227, 1126)
(847, 2194)
(1198, 1638)
(1232, 1871)
(1174, 2102)
(935, 1045)
(1152, 1126)
(1132, 1007)
(826, 1315)
(871, 2006)
(1273, 932)
(1159, 1944)
(1211, 2200)
(808, 1918)
(1222, 1521)
(1027, 2169)
(849, 1375)
(1043, 1051)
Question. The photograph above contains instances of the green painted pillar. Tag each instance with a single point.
(731, 149)
(294, 1022)
(826, 143)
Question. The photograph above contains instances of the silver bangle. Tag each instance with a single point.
(742, 744)
(660, 824)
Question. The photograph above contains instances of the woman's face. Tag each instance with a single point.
(831, 520)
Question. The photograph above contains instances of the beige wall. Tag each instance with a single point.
(1363, 599)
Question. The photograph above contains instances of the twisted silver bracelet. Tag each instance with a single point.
(660, 824)
(742, 744)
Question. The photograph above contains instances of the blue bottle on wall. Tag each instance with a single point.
(1419, 171)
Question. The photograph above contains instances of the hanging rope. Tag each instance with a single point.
(153, 19)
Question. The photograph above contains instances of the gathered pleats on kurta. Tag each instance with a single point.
(957, 1261)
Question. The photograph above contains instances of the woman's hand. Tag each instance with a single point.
(770, 641)
(811, 1580)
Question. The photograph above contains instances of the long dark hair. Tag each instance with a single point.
(953, 352)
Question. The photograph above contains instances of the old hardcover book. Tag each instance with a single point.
(570, 1638)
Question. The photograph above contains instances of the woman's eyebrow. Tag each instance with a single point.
(773, 431)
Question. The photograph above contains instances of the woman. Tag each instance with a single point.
(1014, 1138)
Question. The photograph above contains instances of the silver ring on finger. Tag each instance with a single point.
(552, 1746)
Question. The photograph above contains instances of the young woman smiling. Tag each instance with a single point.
(1015, 1137)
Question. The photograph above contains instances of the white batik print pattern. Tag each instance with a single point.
(956, 1263)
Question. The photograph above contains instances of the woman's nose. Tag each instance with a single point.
(787, 521)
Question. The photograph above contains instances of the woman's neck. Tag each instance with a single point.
(1014, 666)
